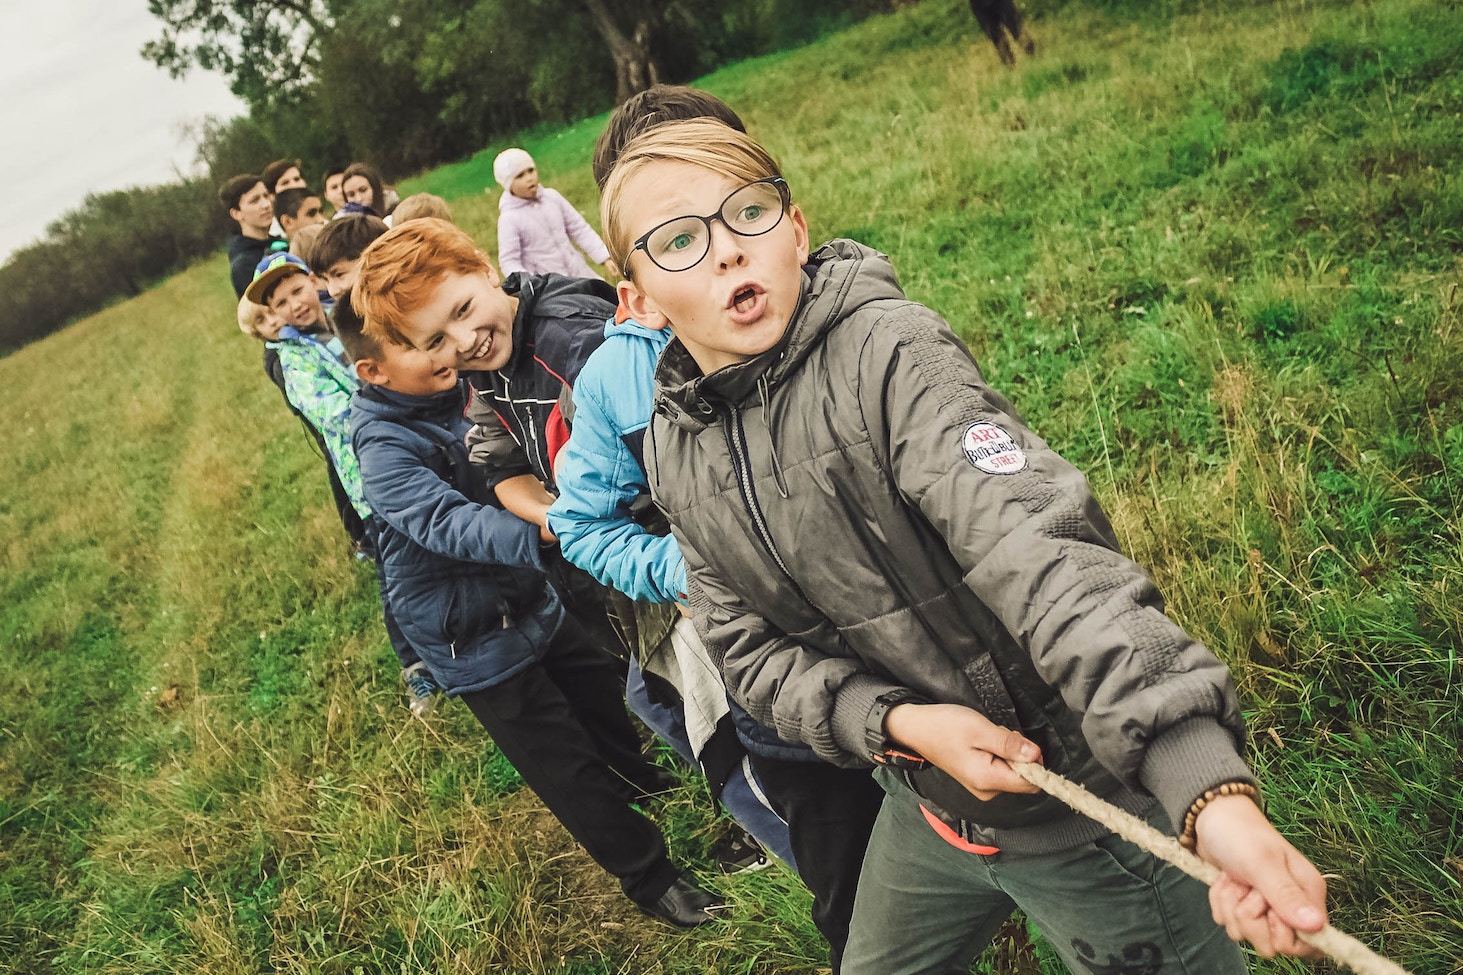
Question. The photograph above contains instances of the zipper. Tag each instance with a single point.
(741, 464)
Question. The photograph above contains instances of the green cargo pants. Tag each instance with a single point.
(927, 908)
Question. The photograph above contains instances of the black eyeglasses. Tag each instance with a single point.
(680, 243)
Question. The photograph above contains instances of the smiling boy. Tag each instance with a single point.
(467, 577)
(891, 567)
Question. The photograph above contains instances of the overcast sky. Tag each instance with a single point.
(82, 111)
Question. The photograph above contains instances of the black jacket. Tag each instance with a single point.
(245, 253)
(519, 412)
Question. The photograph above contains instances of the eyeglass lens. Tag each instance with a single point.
(681, 243)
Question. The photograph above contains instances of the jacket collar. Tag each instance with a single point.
(442, 408)
(839, 276)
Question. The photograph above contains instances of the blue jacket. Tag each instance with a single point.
(601, 471)
(602, 482)
(463, 578)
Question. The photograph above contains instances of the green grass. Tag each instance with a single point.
(1215, 260)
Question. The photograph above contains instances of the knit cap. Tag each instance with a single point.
(509, 164)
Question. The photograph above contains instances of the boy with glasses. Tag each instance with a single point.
(892, 568)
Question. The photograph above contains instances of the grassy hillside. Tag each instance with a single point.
(1215, 259)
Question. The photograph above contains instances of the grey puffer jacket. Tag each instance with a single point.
(861, 514)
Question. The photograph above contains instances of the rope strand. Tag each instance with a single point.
(1337, 945)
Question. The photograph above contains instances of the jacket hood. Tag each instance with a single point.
(547, 296)
(508, 201)
(442, 408)
(839, 277)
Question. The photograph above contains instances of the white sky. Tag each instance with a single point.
(81, 111)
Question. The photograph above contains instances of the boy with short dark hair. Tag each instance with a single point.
(281, 175)
(337, 251)
(296, 208)
(250, 205)
(334, 195)
(467, 579)
(892, 568)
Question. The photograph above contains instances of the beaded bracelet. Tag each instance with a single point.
(1188, 839)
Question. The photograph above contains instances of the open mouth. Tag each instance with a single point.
(747, 302)
(481, 352)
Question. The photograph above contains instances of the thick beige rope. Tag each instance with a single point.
(1338, 946)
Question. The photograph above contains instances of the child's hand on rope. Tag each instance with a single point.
(964, 743)
(1268, 890)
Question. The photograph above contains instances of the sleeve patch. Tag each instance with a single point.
(991, 449)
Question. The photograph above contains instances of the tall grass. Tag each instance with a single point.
(1213, 256)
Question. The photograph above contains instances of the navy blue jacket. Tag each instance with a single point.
(463, 578)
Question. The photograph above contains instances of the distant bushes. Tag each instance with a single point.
(113, 245)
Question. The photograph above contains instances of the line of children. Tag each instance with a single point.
(882, 562)
(468, 579)
(891, 567)
(282, 307)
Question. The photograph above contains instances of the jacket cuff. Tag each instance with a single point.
(851, 709)
(1187, 760)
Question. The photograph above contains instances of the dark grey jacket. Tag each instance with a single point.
(861, 514)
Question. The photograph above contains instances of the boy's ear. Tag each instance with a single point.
(800, 231)
(237, 216)
(640, 306)
(369, 371)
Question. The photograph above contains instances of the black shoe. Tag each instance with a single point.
(738, 852)
(683, 904)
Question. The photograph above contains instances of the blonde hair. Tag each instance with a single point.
(250, 315)
(702, 142)
(420, 205)
(401, 269)
(303, 239)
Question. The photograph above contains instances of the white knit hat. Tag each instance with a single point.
(509, 164)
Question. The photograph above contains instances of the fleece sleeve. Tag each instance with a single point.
(510, 245)
(1158, 709)
(414, 500)
(579, 229)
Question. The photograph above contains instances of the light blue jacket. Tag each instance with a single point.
(601, 471)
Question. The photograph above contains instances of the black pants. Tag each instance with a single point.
(996, 17)
(562, 723)
(830, 812)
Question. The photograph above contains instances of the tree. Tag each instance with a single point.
(635, 65)
(269, 49)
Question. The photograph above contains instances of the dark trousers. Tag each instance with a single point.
(354, 527)
(996, 17)
(562, 723)
(405, 652)
(830, 812)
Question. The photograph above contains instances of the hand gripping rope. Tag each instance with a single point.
(1340, 947)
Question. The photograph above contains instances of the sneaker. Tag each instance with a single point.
(684, 904)
(421, 689)
(739, 852)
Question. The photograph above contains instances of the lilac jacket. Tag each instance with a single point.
(538, 236)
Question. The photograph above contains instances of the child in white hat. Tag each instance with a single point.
(538, 231)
